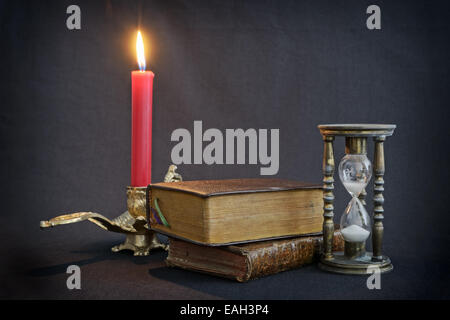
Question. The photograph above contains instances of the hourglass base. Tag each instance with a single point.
(342, 264)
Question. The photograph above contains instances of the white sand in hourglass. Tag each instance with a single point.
(355, 233)
(354, 187)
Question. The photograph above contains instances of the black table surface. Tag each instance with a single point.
(34, 265)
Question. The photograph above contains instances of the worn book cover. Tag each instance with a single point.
(221, 212)
(249, 261)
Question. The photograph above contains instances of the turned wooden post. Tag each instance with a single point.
(328, 197)
(378, 199)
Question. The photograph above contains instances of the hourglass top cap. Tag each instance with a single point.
(357, 130)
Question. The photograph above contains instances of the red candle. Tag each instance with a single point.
(141, 121)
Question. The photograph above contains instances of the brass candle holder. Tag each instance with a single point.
(132, 223)
(355, 172)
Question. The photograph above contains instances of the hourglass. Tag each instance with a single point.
(355, 172)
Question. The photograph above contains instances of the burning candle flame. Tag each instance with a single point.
(140, 52)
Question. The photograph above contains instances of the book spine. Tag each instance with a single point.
(218, 271)
(286, 255)
(242, 265)
(217, 261)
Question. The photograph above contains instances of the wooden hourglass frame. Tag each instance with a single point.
(354, 259)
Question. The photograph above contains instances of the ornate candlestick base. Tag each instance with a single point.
(140, 244)
(133, 222)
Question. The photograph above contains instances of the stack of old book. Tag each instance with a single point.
(241, 228)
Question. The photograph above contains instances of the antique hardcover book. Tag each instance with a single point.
(221, 212)
(249, 261)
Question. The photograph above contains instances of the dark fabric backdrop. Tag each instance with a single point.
(65, 130)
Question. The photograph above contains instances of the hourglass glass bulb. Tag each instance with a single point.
(355, 222)
(355, 171)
